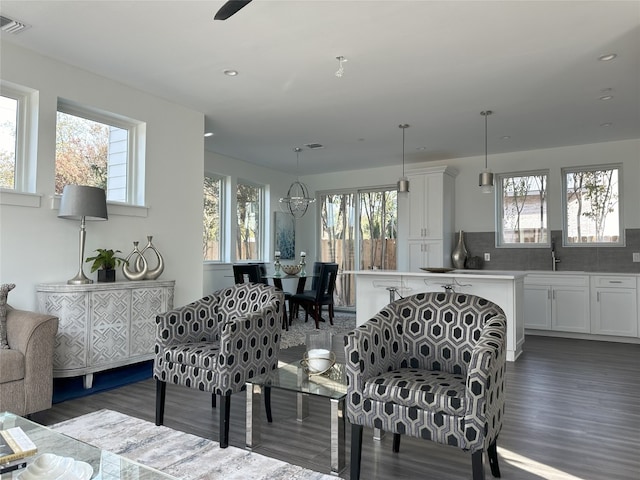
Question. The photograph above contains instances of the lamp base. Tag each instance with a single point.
(79, 279)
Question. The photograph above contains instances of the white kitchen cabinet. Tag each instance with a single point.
(103, 325)
(614, 305)
(425, 224)
(557, 302)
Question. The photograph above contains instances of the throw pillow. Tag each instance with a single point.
(4, 291)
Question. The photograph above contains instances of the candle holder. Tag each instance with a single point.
(277, 266)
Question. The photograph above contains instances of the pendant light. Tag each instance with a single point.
(403, 183)
(485, 181)
(297, 200)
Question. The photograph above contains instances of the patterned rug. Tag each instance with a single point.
(343, 322)
(179, 454)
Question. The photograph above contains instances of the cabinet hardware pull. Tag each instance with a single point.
(615, 281)
(598, 297)
(549, 293)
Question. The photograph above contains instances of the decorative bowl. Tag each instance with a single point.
(291, 269)
(319, 360)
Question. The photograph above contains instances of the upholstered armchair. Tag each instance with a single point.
(432, 366)
(217, 343)
(26, 367)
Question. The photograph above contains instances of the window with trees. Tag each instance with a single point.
(358, 231)
(592, 205)
(250, 228)
(99, 149)
(213, 247)
(8, 140)
(16, 173)
(522, 209)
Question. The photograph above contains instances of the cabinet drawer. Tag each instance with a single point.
(557, 279)
(614, 281)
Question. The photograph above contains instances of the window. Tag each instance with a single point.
(8, 140)
(212, 218)
(250, 228)
(17, 167)
(592, 209)
(358, 228)
(101, 150)
(522, 209)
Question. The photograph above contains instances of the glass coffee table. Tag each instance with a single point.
(292, 377)
(106, 465)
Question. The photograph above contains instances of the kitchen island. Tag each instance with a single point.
(375, 288)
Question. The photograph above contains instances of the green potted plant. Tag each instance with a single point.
(105, 262)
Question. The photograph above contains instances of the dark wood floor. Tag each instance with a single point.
(573, 412)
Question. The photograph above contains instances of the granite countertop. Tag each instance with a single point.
(488, 274)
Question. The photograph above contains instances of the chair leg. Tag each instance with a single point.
(316, 315)
(356, 451)
(214, 402)
(267, 403)
(476, 465)
(161, 392)
(492, 452)
(331, 313)
(396, 443)
(225, 410)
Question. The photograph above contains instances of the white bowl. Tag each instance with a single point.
(319, 360)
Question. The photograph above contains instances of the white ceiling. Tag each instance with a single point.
(433, 64)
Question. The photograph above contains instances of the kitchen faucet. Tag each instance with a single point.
(554, 259)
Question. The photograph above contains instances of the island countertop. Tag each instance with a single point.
(485, 274)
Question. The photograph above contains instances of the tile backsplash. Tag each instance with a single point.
(588, 259)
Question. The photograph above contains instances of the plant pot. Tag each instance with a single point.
(106, 276)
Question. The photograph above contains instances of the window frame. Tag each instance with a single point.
(135, 183)
(24, 173)
(565, 221)
(500, 243)
(261, 238)
(222, 206)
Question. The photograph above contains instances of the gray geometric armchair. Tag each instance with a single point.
(217, 343)
(432, 366)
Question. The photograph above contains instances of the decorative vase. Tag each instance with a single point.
(106, 275)
(132, 273)
(152, 273)
(303, 265)
(459, 254)
(276, 266)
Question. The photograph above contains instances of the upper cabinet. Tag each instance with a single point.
(426, 219)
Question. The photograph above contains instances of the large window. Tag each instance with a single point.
(358, 231)
(522, 209)
(8, 137)
(592, 209)
(250, 228)
(213, 247)
(100, 150)
(17, 171)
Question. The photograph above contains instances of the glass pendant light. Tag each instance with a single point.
(485, 180)
(403, 183)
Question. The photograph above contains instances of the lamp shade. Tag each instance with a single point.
(80, 201)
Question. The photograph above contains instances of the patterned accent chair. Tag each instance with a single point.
(432, 366)
(217, 343)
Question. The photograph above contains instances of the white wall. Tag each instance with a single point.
(475, 211)
(38, 247)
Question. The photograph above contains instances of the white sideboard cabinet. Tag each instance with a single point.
(614, 305)
(557, 302)
(103, 325)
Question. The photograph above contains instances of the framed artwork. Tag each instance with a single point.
(285, 241)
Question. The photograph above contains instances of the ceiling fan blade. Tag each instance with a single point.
(230, 8)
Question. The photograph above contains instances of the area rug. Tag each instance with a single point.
(343, 322)
(178, 454)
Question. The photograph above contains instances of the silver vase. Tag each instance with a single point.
(152, 273)
(459, 254)
(130, 269)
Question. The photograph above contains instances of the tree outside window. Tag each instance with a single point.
(522, 209)
(249, 205)
(8, 136)
(212, 219)
(592, 205)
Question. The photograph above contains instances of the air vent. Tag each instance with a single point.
(12, 26)
(313, 146)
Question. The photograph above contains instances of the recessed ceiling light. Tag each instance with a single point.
(505, 137)
(230, 73)
(606, 57)
(606, 124)
(606, 97)
(208, 134)
(421, 149)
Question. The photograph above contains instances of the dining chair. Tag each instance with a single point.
(312, 301)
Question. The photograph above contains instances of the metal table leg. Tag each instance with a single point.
(337, 436)
(302, 406)
(254, 400)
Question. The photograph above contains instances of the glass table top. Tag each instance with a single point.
(106, 465)
(293, 377)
